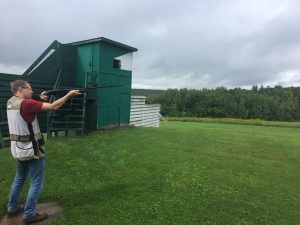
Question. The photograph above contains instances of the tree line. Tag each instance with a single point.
(265, 103)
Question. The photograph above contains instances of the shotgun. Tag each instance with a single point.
(61, 92)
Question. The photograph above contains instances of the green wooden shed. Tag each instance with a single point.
(102, 61)
(89, 63)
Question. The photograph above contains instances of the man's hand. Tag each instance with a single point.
(43, 97)
(74, 93)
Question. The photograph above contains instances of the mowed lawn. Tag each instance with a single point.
(181, 173)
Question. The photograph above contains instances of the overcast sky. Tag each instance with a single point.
(181, 44)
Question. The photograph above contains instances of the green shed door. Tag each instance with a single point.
(88, 57)
(124, 108)
(84, 63)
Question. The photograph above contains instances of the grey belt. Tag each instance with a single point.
(14, 137)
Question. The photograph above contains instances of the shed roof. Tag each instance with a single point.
(103, 39)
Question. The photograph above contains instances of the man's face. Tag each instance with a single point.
(26, 91)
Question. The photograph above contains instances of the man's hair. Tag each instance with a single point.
(14, 86)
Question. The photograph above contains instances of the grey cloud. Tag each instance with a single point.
(181, 44)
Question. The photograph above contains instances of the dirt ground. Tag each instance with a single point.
(52, 209)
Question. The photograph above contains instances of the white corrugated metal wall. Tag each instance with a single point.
(142, 114)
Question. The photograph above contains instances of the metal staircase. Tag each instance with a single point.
(70, 118)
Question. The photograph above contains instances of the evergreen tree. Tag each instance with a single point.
(265, 103)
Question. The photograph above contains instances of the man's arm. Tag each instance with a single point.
(59, 102)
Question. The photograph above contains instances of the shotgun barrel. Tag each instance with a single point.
(62, 92)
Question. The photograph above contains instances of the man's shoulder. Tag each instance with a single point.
(14, 102)
(31, 103)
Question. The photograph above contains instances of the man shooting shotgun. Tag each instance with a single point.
(27, 146)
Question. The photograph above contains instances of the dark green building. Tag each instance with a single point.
(90, 63)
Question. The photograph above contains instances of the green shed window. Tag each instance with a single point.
(123, 62)
(117, 63)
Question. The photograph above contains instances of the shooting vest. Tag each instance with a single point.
(26, 138)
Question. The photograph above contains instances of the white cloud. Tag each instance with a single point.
(286, 79)
(12, 69)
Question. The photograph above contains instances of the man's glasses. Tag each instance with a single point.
(27, 88)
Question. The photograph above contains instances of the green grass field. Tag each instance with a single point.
(179, 174)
